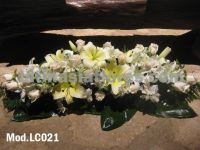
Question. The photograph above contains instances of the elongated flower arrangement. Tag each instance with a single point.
(101, 81)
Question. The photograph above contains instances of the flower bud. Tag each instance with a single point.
(72, 46)
(122, 58)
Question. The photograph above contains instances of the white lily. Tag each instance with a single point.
(115, 74)
(68, 91)
(93, 56)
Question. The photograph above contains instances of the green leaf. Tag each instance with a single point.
(20, 115)
(42, 115)
(113, 119)
(180, 111)
(172, 104)
(165, 110)
(11, 104)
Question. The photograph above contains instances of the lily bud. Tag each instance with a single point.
(122, 58)
(165, 52)
(72, 46)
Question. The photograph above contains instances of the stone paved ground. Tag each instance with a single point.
(75, 132)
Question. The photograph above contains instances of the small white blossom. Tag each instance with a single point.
(139, 48)
(153, 48)
(150, 93)
(134, 88)
(34, 95)
(99, 95)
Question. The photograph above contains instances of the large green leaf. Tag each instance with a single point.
(180, 111)
(21, 115)
(172, 104)
(113, 119)
(11, 104)
(166, 110)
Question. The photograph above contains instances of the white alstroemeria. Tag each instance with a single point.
(134, 88)
(99, 95)
(80, 43)
(153, 48)
(33, 95)
(93, 56)
(116, 53)
(8, 76)
(150, 62)
(182, 86)
(139, 48)
(11, 85)
(111, 51)
(75, 59)
(108, 44)
(150, 93)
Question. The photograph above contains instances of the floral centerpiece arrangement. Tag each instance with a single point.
(101, 81)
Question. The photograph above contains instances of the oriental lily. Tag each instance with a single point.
(56, 58)
(115, 75)
(68, 91)
(93, 56)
